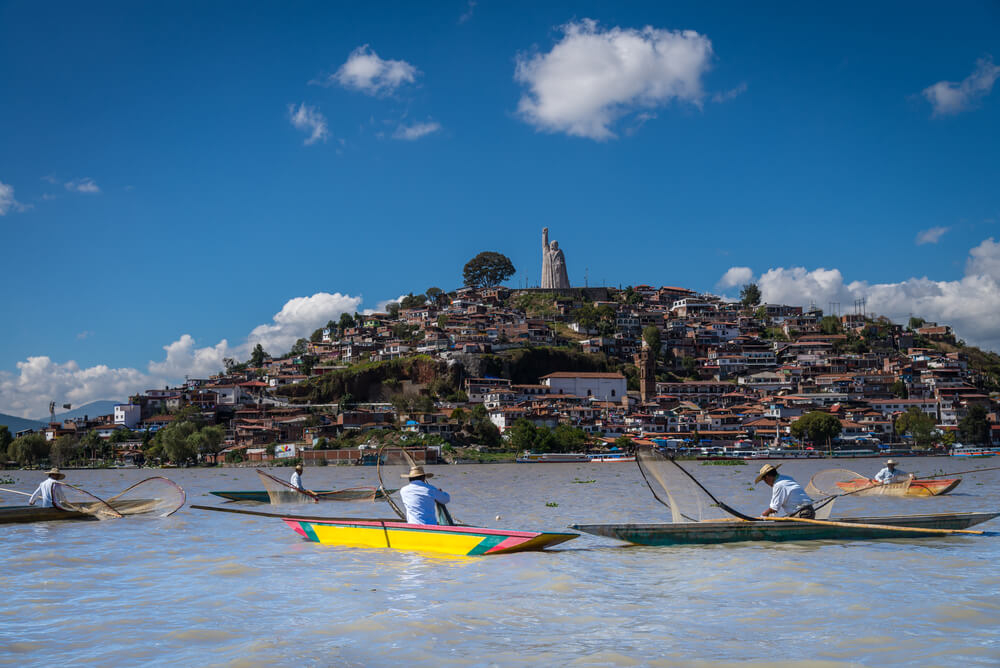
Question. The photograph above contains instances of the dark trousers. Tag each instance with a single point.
(805, 512)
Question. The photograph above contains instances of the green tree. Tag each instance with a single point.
(433, 293)
(257, 356)
(651, 335)
(300, 348)
(486, 433)
(412, 301)
(974, 427)
(899, 389)
(5, 439)
(522, 435)
(29, 449)
(624, 442)
(569, 439)
(919, 425)
(174, 441)
(750, 295)
(690, 366)
(346, 321)
(830, 324)
(64, 450)
(317, 335)
(915, 323)
(92, 443)
(392, 308)
(817, 426)
(487, 270)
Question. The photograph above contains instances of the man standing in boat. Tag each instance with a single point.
(421, 498)
(786, 494)
(296, 480)
(890, 474)
(47, 490)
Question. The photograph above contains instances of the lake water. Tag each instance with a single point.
(202, 588)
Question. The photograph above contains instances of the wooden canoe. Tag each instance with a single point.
(456, 540)
(25, 514)
(917, 487)
(324, 495)
(733, 531)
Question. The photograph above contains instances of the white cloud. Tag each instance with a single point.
(366, 72)
(468, 12)
(7, 201)
(310, 120)
(736, 276)
(85, 334)
(948, 97)
(725, 96)
(39, 380)
(593, 77)
(931, 236)
(416, 131)
(971, 305)
(85, 185)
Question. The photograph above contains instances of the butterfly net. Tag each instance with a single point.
(676, 489)
(157, 496)
(350, 494)
(73, 499)
(280, 492)
(839, 482)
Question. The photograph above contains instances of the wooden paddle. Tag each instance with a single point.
(945, 475)
(312, 518)
(14, 491)
(886, 527)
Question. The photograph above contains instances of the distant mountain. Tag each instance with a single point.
(93, 409)
(16, 424)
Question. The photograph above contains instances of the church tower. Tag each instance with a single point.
(645, 361)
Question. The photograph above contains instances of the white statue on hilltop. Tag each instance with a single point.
(554, 274)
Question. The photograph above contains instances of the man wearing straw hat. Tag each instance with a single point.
(786, 494)
(890, 474)
(47, 490)
(296, 480)
(420, 497)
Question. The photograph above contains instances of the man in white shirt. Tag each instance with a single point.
(48, 491)
(421, 498)
(786, 494)
(296, 480)
(890, 474)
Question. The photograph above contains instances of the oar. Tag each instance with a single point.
(311, 518)
(14, 491)
(873, 526)
(945, 475)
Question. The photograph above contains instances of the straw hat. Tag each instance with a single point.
(764, 470)
(298, 467)
(891, 461)
(416, 472)
(54, 473)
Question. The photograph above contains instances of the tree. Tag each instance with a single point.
(64, 450)
(174, 443)
(651, 335)
(750, 295)
(631, 297)
(817, 426)
(317, 335)
(29, 449)
(300, 348)
(918, 424)
(257, 356)
(569, 439)
(5, 439)
(486, 433)
(830, 324)
(392, 308)
(433, 293)
(346, 321)
(624, 442)
(974, 427)
(412, 301)
(899, 389)
(915, 323)
(458, 415)
(488, 269)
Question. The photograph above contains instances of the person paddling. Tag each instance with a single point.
(420, 497)
(296, 480)
(47, 490)
(786, 494)
(890, 474)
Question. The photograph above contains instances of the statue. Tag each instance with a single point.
(554, 274)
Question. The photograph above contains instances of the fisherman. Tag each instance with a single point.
(891, 474)
(786, 494)
(48, 490)
(296, 480)
(420, 497)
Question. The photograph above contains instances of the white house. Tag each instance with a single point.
(127, 415)
(601, 386)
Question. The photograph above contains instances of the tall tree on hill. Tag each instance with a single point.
(392, 308)
(974, 427)
(257, 356)
(412, 301)
(918, 424)
(487, 270)
(346, 321)
(750, 295)
(5, 438)
(830, 324)
(433, 293)
(651, 335)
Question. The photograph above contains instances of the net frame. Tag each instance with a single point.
(138, 500)
(687, 500)
(843, 482)
(280, 492)
(75, 500)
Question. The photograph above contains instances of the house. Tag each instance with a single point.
(602, 386)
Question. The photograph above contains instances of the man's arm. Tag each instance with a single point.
(34, 497)
(441, 496)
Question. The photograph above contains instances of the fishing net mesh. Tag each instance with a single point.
(280, 492)
(74, 499)
(837, 482)
(350, 494)
(676, 490)
(157, 495)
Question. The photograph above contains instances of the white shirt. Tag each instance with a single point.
(788, 495)
(296, 481)
(46, 491)
(419, 498)
(885, 476)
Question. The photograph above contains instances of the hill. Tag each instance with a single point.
(16, 424)
(93, 409)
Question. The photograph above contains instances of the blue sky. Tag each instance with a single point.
(231, 172)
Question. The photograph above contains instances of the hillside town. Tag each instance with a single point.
(490, 368)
